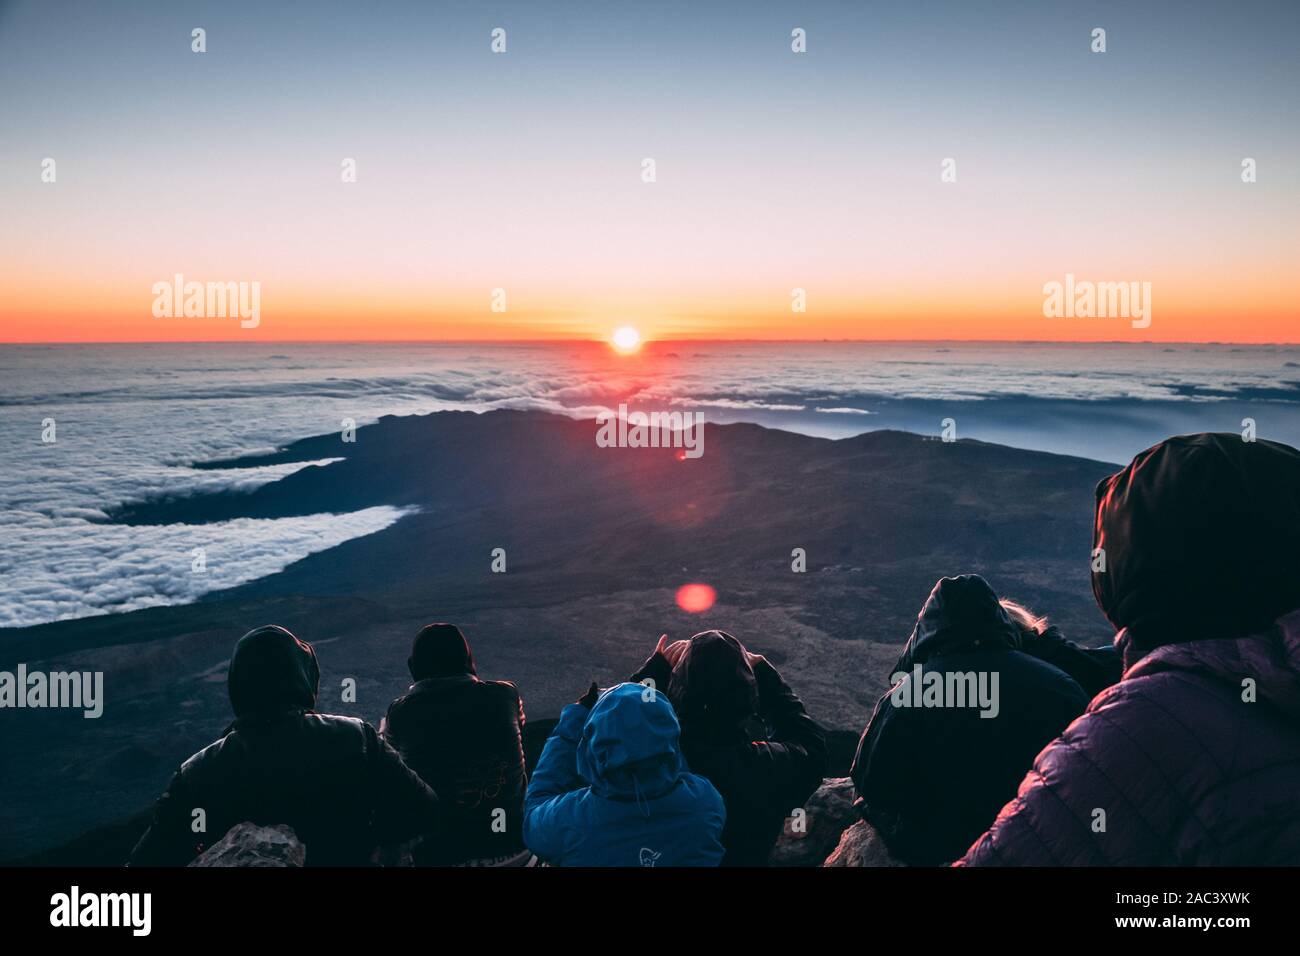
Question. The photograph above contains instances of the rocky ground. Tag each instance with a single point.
(830, 834)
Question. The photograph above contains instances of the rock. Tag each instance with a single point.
(247, 844)
(826, 813)
(861, 845)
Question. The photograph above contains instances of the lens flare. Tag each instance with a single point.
(696, 598)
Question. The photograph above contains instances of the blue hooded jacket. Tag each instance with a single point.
(611, 789)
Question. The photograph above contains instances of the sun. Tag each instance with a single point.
(625, 339)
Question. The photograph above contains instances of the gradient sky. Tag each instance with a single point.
(775, 170)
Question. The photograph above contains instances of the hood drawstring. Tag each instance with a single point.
(641, 803)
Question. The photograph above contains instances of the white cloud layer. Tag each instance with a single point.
(131, 420)
(71, 570)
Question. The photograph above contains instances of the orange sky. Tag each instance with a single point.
(121, 312)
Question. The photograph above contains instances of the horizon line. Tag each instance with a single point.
(646, 342)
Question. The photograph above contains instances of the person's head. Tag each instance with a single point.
(1199, 537)
(440, 650)
(272, 673)
(713, 685)
(1030, 624)
(961, 615)
(629, 747)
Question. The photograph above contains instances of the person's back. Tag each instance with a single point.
(747, 732)
(332, 779)
(963, 721)
(464, 737)
(611, 788)
(1194, 757)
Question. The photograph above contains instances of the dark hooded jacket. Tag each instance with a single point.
(932, 771)
(342, 789)
(743, 729)
(464, 737)
(1194, 757)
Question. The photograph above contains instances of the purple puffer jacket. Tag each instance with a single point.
(1193, 758)
(1210, 780)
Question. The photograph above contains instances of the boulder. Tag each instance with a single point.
(807, 840)
(247, 844)
(861, 845)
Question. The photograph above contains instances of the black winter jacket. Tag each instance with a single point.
(342, 789)
(464, 737)
(932, 772)
(745, 730)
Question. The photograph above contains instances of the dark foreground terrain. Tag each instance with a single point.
(597, 540)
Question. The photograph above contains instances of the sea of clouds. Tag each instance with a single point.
(132, 420)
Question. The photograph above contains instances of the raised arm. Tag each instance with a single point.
(1094, 669)
(796, 745)
(550, 802)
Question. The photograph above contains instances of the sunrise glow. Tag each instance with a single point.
(381, 213)
(626, 339)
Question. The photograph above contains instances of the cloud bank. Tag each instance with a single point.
(131, 422)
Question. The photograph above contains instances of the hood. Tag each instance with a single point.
(1201, 535)
(272, 672)
(713, 683)
(440, 650)
(961, 614)
(1271, 659)
(629, 748)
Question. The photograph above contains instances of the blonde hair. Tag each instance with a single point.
(1025, 619)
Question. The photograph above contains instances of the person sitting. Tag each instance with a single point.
(1193, 758)
(464, 737)
(611, 788)
(341, 788)
(746, 731)
(963, 720)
